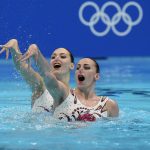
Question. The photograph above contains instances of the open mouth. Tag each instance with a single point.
(57, 65)
(81, 78)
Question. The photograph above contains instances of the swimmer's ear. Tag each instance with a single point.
(72, 66)
(97, 76)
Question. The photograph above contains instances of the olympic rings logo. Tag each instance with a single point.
(110, 22)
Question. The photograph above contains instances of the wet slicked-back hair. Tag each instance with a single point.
(71, 56)
(96, 65)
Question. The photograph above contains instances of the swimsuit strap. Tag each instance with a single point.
(102, 102)
(72, 91)
(75, 98)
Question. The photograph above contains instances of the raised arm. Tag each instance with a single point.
(34, 80)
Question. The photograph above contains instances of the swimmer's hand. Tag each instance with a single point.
(4, 48)
(9, 45)
(31, 52)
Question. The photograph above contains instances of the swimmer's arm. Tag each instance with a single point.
(55, 87)
(34, 80)
(112, 108)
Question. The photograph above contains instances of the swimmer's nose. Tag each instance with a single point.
(80, 70)
(57, 58)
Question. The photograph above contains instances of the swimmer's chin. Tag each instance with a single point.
(57, 72)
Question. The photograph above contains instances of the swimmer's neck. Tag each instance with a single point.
(65, 78)
(86, 93)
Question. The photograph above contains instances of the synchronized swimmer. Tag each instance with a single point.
(50, 86)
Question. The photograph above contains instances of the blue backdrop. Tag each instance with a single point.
(56, 23)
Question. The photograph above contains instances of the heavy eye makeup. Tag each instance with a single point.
(78, 67)
(63, 56)
(86, 67)
(53, 57)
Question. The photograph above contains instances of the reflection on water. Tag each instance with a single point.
(115, 92)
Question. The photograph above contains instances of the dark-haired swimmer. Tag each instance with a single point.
(56, 75)
(53, 77)
(83, 104)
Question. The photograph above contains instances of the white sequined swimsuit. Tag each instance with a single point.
(71, 109)
(43, 103)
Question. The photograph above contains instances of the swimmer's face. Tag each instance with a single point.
(86, 73)
(61, 61)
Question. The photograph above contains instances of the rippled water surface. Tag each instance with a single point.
(125, 79)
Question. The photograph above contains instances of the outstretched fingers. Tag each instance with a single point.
(25, 57)
(4, 48)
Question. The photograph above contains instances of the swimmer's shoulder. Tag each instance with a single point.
(111, 106)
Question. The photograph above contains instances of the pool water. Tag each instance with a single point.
(124, 79)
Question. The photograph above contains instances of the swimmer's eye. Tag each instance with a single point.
(77, 68)
(87, 67)
(63, 56)
(53, 57)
